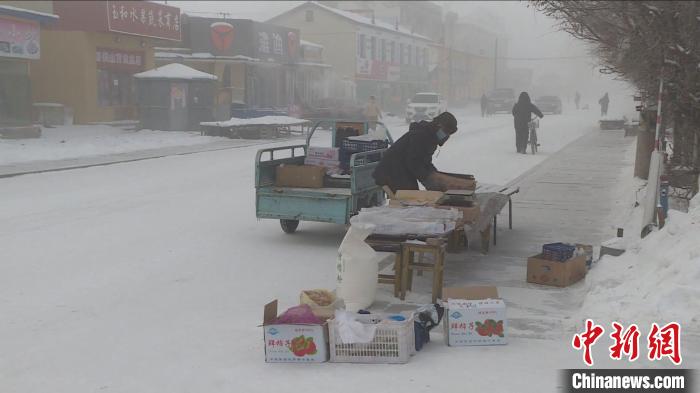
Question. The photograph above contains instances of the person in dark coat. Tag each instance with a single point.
(410, 159)
(484, 104)
(522, 114)
(604, 101)
(577, 99)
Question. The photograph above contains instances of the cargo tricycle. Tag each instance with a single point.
(341, 196)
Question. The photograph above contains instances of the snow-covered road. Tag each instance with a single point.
(151, 276)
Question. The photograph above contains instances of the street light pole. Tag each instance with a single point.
(495, 65)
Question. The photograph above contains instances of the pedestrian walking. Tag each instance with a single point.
(372, 113)
(522, 114)
(577, 99)
(484, 104)
(604, 102)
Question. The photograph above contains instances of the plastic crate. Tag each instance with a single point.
(355, 146)
(346, 155)
(394, 342)
(558, 251)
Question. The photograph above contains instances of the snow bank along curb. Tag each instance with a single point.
(654, 281)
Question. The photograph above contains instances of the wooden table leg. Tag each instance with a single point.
(397, 274)
(485, 239)
(404, 271)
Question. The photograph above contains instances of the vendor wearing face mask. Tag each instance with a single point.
(410, 159)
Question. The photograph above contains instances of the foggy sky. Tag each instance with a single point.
(530, 34)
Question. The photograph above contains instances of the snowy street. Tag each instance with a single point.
(151, 275)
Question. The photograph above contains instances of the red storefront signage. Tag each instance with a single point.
(222, 35)
(144, 18)
(119, 60)
(19, 38)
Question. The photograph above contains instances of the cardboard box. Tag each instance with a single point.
(328, 164)
(419, 195)
(305, 176)
(323, 153)
(555, 273)
(474, 316)
(279, 339)
(470, 215)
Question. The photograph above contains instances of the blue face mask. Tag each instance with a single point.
(442, 136)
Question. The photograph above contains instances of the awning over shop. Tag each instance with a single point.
(23, 13)
(175, 71)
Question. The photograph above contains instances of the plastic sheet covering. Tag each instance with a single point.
(490, 203)
(415, 220)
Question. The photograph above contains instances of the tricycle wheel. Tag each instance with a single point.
(289, 226)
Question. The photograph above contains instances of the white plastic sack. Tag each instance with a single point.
(358, 266)
(422, 220)
(352, 331)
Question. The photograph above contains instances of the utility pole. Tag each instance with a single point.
(495, 65)
(449, 81)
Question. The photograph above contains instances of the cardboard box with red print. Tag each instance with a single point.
(292, 343)
(474, 316)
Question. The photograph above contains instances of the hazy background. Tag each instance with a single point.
(533, 40)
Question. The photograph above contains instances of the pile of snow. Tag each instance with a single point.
(64, 142)
(265, 120)
(655, 280)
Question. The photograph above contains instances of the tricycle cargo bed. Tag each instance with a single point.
(305, 204)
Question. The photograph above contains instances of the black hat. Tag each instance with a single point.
(447, 121)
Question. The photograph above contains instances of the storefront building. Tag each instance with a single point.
(374, 57)
(90, 56)
(20, 47)
(254, 62)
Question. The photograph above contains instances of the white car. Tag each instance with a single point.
(425, 106)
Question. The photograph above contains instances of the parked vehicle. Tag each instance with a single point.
(549, 104)
(501, 100)
(428, 104)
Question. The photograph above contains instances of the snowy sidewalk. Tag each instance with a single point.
(569, 197)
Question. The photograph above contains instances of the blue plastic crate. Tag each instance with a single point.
(558, 251)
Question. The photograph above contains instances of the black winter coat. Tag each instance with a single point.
(522, 114)
(409, 159)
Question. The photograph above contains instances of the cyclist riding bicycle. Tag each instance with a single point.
(522, 113)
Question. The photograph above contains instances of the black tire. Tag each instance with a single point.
(289, 226)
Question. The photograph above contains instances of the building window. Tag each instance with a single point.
(409, 59)
(402, 56)
(115, 88)
(309, 15)
(383, 49)
(425, 57)
(361, 46)
(392, 52)
(373, 48)
(418, 53)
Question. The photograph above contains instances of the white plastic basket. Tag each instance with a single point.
(394, 342)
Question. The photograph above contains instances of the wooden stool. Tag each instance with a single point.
(393, 278)
(457, 241)
(436, 247)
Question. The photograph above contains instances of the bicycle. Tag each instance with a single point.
(533, 125)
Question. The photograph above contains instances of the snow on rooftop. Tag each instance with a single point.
(313, 44)
(361, 20)
(265, 120)
(200, 56)
(174, 71)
